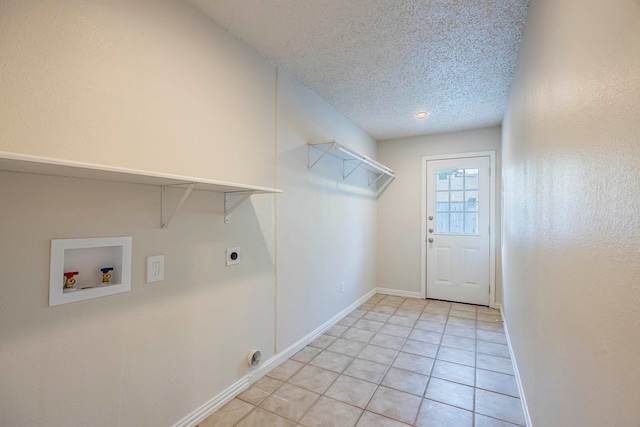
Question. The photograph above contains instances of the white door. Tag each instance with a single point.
(457, 224)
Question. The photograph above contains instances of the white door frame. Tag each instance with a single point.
(492, 218)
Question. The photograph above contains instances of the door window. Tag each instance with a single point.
(457, 201)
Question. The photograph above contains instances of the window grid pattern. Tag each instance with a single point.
(457, 201)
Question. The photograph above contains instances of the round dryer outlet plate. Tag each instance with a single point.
(233, 256)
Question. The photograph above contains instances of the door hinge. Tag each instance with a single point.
(489, 171)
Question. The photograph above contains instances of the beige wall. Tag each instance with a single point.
(400, 206)
(157, 86)
(571, 231)
(326, 226)
(148, 85)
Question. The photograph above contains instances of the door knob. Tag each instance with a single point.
(430, 240)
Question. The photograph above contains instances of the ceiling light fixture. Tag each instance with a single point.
(422, 115)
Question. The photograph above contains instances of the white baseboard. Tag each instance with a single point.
(398, 293)
(256, 373)
(283, 355)
(523, 399)
(214, 404)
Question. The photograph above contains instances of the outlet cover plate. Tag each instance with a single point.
(155, 268)
(233, 256)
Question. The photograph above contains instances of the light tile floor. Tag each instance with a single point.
(392, 362)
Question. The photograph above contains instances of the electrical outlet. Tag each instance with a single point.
(233, 256)
(155, 268)
(342, 287)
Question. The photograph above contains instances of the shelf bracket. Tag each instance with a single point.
(324, 153)
(230, 205)
(346, 174)
(375, 180)
(187, 191)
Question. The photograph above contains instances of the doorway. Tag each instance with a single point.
(458, 228)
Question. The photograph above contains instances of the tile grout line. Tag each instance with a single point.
(397, 306)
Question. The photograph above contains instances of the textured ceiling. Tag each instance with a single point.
(380, 61)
